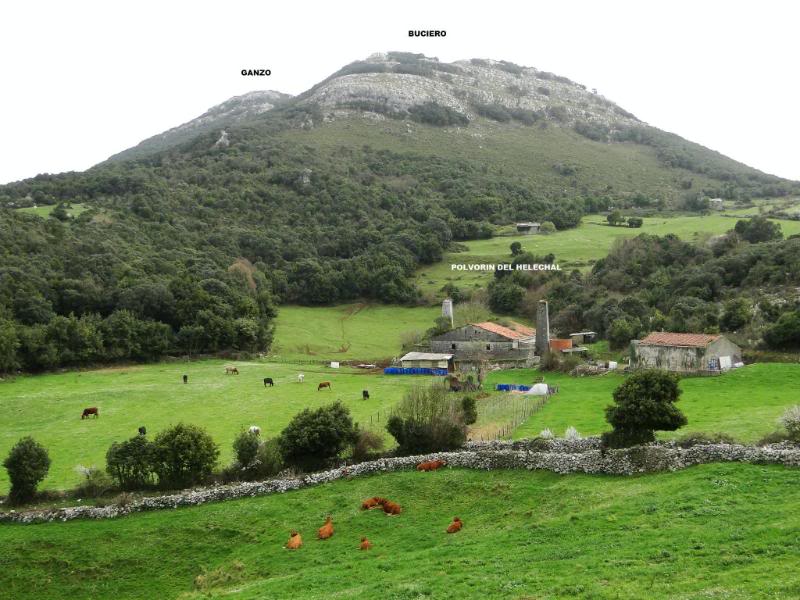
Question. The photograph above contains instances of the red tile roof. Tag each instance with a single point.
(693, 340)
(519, 332)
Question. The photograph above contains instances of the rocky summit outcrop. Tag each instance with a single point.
(393, 83)
(216, 118)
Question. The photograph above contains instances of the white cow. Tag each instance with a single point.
(300, 378)
(255, 429)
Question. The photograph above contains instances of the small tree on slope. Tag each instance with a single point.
(643, 404)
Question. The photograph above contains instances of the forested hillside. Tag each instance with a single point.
(188, 244)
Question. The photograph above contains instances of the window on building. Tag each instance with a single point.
(452, 346)
(488, 346)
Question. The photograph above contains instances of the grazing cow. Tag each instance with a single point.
(391, 508)
(365, 544)
(365, 394)
(142, 430)
(185, 379)
(374, 502)
(268, 382)
(300, 378)
(430, 465)
(231, 371)
(455, 526)
(255, 430)
(90, 411)
(295, 541)
(323, 385)
(326, 531)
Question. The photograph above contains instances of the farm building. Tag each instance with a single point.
(685, 352)
(427, 360)
(528, 228)
(510, 344)
(715, 204)
(583, 337)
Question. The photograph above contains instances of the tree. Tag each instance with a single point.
(245, 448)
(758, 229)
(547, 227)
(183, 456)
(635, 222)
(785, 333)
(622, 331)
(9, 344)
(130, 463)
(615, 218)
(27, 464)
(470, 410)
(644, 404)
(505, 295)
(736, 314)
(315, 437)
(516, 248)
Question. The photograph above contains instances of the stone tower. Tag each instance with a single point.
(447, 310)
(542, 328)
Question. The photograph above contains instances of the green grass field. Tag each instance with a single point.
(744, 403)
(44, 211)
(573, 248)
(713, 531)
(49, 406)
(366, 332)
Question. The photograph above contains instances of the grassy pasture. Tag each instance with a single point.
(744, 403)
(346, 332)
(573, 248)
(713, 531)
(49, 407)
(44, 211)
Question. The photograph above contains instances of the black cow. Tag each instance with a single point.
(185, 379)
(365, 394)
(268, 382)
(142, 430)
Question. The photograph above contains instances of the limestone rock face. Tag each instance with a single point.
(391, 83)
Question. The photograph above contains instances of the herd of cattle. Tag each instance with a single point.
(389, 508)
(93, 411)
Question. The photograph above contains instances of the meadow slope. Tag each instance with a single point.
(722, 531)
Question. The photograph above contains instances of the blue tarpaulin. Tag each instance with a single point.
(413, 371)
(509, 387)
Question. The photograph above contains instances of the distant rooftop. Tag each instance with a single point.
(516, 331)
(426, 356)
(689, 340)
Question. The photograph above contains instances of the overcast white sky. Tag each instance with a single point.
(82, 80)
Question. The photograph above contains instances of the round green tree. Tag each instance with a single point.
(643, 404)
(184, 455)
(27, 464)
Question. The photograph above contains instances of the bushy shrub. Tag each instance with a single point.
(635, 222)
(776, 437)
(130, 463)
(785, 333)
(572, 434)
(790, 420)
(27, 464)
(367, 443)
(94, 482)
(428, 420)
(470, 409)
(245, 449)
(644, 403)
(546, 434)
(432, 113)
(314, 437)
(183, 456)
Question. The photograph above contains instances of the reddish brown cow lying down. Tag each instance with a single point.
(430, 465)
(374, 502)
(326, 530)
(295, 541)
(391, 508)
(365, 544)
(455, 526)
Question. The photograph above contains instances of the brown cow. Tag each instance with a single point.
(90, 411)
(430, 465)
(455, 526)
(295, 541)
(323, 385)
(231, 371)
(365, 544)
(374, 502)
(391, 508)
(326, 531)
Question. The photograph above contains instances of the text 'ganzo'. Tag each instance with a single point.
(256, 72)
